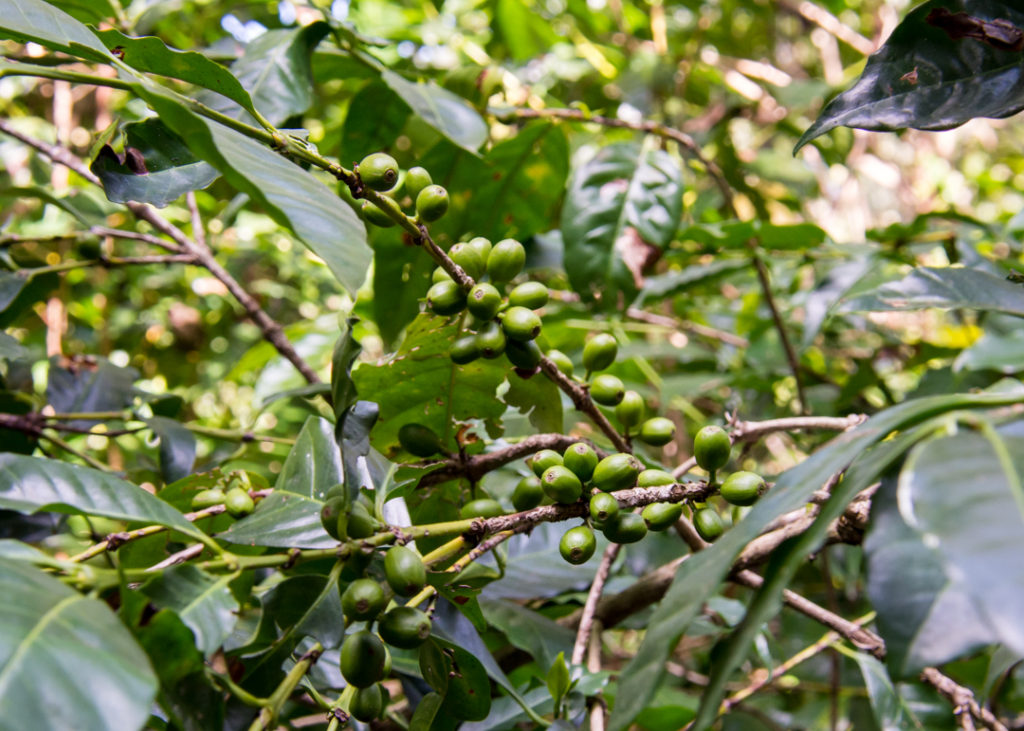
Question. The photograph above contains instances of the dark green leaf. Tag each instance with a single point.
(401, 278)
(420, 384)
(376, 117)
(699, 575)
(150, 55)
(275, 71)
(447, 113)
(964, 493)
(291, 196)
(891, 713)
(932, 74)
(87, 11)
(177, 448)
(290, 516)
(11, 285)
(924, 616)
(676, 282)
(943, 287)
(35, 20)
(531, 631)
(31, 484)
(203, 602)
(539, 398)
(558, 678)
(79, 389)
(346, 350)
(621, 210)
(59, 644)
(307, 605)
(156, 166)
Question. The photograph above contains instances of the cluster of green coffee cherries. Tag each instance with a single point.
(365, 658)
(380, 172)
(236, 501)
(712, 449)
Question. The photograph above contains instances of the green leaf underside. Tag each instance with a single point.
(290, 516)
(446, 112)
(926, 77)
(35, 20)
(699, 575)
(622, 207)
(66, 661)
(948, 287)
(31, 484)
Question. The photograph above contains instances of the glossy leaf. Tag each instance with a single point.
(151, 55)
(924, 615)
(31, 484)
(421, 384)
(375, 119)
(275, 71)
(290, 516)
(291, 196)
(445, 112)
(937, 70)
(57, 643)
(36, 20)
(622, 208)
(964, 494)
(156, 167)
(101, 387)
(947, 287)
(531, 631)
(203, 602)
(891, 713)
(697, 577)
(538, 398)
(177, 448)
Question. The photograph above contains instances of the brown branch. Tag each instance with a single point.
(270, 329)
(474, 468)
(635, 313)
(830, 23)
(581, 400)
(747, 431)
(962, 698)
(590, 606)
(787, 345)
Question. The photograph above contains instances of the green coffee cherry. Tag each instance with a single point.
(404, 627)
(482, 247)
(525, 355)
(561, 361)
(483, 301)
(506, 260)
(362, 659)
(359, 523)
(439, 275)
(603, 507)
(543, 459)
(375, 215)
(367, 703)
(654, 478)
(708, 524)
(208, 498)
(419, 440)
(616, 472)
(528, 493)
(711, 448)
(625, 528)
(607, 389)
(561, 484)
(416, 179)
(379, 171)
(491, 341)
(482, 508)
(404, 570)
(332, 510)
(661, 516)
(363, 600)
(577, 545)
(658, 431)
(742, 488)
(464, 350)
(531, 295)
(599, 352)
(630, 410)
(581, 459)
(431, 203)
(238, 502)
(520, 323)
(468, 257)
(446, 298)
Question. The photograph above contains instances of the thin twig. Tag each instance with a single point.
(271, 330)
(596, 589)
(635, 313)
(787, 344)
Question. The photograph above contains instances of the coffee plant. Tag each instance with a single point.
(511, 364)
